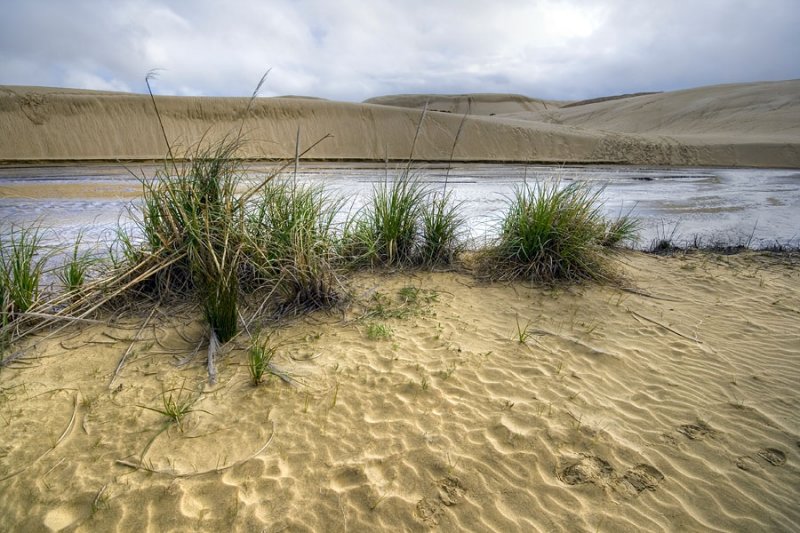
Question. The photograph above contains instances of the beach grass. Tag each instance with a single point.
(386, 232)
(551, 232)
(21, 266)
(259, 357)
(523, 331)
(378, 331)
(74, 271)
(191, 220)
(442, 229)
(405, 224)
(620, 231)
(293, 245)
(175, 407)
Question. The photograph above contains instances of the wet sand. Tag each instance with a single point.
(732, 206)
(669, 406)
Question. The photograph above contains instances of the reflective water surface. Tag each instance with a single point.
(733, 206)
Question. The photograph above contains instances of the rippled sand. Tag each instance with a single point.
(671, 406)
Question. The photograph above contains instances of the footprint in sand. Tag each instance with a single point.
(697, 431)
(773, 456)
(429, 511)
(746, 463)
(450, 491)
(642, 477)
(592, 469)
(589, 469)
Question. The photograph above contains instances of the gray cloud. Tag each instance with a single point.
(351, 50)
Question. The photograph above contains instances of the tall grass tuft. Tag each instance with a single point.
(550, 233)
(75, 269)
(21, 267)
(387, 230)
(621, 230)
(193, 223)
(292, 244)
(405, 223)
(441, 230)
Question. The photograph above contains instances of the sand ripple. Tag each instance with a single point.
(670, 407)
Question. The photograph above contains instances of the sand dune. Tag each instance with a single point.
(669, 408)
(488, 104)
(768, 110)
(745, 125)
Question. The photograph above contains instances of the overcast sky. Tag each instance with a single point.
(352, 50)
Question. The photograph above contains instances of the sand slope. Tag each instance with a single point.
(488, 104)
(670, 408)
(751, 125)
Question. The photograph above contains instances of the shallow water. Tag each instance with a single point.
(713, 205)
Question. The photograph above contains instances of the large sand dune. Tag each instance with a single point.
(737, 125)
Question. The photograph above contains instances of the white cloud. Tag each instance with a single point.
(352, 49)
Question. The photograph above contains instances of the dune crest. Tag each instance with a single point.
(729, 125)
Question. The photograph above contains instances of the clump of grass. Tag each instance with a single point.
(192, 222)
(441, 230)
(259, 357)
(412, 302)
(194, 237)
(292, 242)
(664, 242)
(621, 230)
(409, 294)
(175, 407)
(378, 331)
(552, 233)
(405, 224)
(383, 306)
(21, 267)
(523, 332)
(75, 269)
(387, 231)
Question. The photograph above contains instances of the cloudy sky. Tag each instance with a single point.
(353, 49)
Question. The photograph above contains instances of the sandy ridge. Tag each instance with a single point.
(732, 125)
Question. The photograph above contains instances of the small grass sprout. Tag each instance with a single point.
(259, 357)
(176, 406)
(523, 332)
(423, 383)
(409, 294)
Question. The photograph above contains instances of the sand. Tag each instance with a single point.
(755, 124)
(669, 406)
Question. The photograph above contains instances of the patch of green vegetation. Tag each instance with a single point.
(378, 331)
(176, 406)
(552, 233)
(259, 357)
